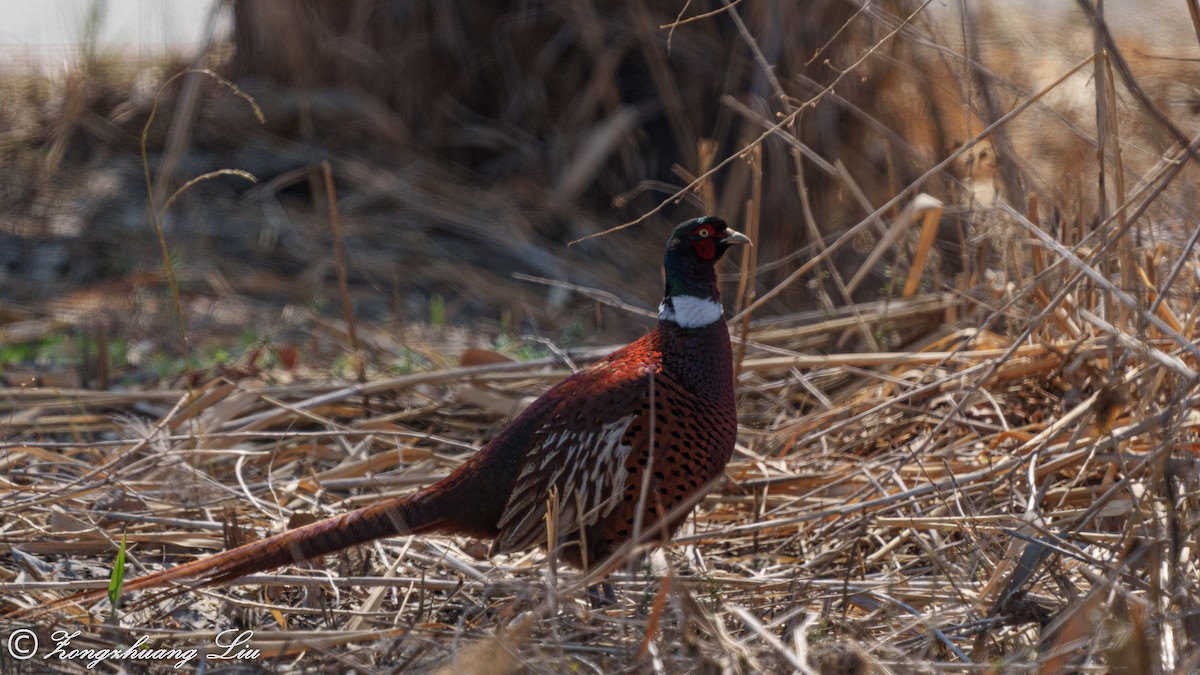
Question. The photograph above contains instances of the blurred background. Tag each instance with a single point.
(469, 143)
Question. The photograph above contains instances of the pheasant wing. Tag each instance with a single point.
(580, 452)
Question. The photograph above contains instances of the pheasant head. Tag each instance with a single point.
(692, 298)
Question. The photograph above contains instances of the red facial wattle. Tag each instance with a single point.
(705, 248)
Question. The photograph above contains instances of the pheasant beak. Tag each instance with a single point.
(735, 237)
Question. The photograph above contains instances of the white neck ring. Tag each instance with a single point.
(689, 311)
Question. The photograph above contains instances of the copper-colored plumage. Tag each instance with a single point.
(588, 439)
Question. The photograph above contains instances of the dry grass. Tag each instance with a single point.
(985, 469)
(983, 500)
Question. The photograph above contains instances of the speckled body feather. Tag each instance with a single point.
(593, 436)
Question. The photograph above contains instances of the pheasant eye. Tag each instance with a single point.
(704, 233)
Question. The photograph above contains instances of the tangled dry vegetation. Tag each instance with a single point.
(987, 470)
(981, 500)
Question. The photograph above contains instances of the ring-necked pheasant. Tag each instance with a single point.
(657, 414)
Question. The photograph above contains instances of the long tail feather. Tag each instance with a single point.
(390, 517)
